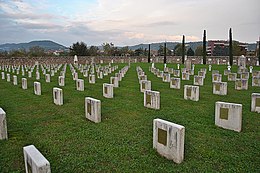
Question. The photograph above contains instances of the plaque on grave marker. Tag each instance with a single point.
(217, 86)
(162, 136)
(257, 102)
(148, 100)
(188, 93)
(173, 82)
(105, 90)
(89, 107)
(143, 85)
(223, 113)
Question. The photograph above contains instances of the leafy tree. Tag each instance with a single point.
(230, 48)
(190, 52)
(93, 51)
(238, 50)
(183, 48)
(79, 49)
(36, 51)
(108, 48)
(125, 50)
(220, 51)
(204, 47)
(164, 53)
(139, 52)
(199, 51)
(18, 53)
(177, 50)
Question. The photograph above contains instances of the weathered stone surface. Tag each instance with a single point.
(228, 116)
(191, 92)
(93, 109)
(80, 84)
(57, 96)
(175, 83)
(168, 139)
(152, 99)
(198, 80)
(220, 88)
(145, 85)
(108, 90)
(35, 162)
(24, 83)
(255, 102)
(37, 88)
(3, 125)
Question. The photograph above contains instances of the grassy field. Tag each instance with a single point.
(122, 142)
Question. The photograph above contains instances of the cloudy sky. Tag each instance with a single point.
(127, 22)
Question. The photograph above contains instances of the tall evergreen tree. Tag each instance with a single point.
(164, 60)
(183, 48)
(149, 54)
(204, 47)
(259, 50)
(230, 48)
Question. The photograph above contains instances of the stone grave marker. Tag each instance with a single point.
(93, 109)
(256, 81)
(232, 77)
(251, 69)
(24, 83)
(191, 92)
(75, 76)
(216, 77)
(37, 88)
(244, 75)
(92, 79)
(168, 139)
(114, 81)
(3, 75)
(8, 77)
(176, 73)
(198, 80)
(48, 78)
(255, 102)
(175, 83)
(14, 79)
(35, 162)
(38, 76)
(57, 96)
(145, 85)
(166, 77)
(152, 99)
(108, 90)
(241, 84)
(220, 88)
(80, 84)
(3, 125)
(61, 81)
(210, 67)
(228, 116)
(185, 76)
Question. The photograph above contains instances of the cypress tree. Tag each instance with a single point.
(259, 50)
(204, 47)
(149, 54)
(230, 48)
(164, 60)
(183, 48)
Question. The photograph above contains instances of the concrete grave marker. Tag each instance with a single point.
(14, 80)
(168, 139)
(152, 99)
(3, 125)
(241, 84)
(216, 77)
(176, 73)
(191, 92)
(24, 83)
(92, 79)
(185, 76)
(108, 90)
(80, 84)
(198, 80)
(175, 83)
(3, 75)
(114, 81)
(228, 116)
(37, 88)
(232, 77)
(57, 96)
(256, 81)
(93, 109)
(166, 77)
(48, 78)
(220, 88)
(8, 77)
(145, 85)
(255, 102)
(61, 81)
(35, 162)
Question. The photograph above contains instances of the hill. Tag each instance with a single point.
(46, 44)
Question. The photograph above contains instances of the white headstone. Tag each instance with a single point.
(256, 81)
(80, 84)
(114, 81)
(3, 125)
(198, 80)
(108, 90)
(92, 79)
(191, 92)
(255, 102)
(175, 83)
(93, 109)
(152, 99)
(251, 69)
(145, 85)
(3, 75)
(178, 66)
(210, 67)
(220, 88)
(228, 116)
(35, 162)
(8, 77)
(57, 96)
(241, 84)
(48, 78)
(24, 83)
(37, 88)
(61, 81)
(168, 139)
(14, 80)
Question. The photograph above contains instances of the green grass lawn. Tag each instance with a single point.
(122, 142)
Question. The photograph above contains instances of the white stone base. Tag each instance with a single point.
(93, 109)
(57, 96)
(35, 162)
(168, 139)
(228, 116)
(255, 102)
(152, 99)
(191, 92)
(3, 125)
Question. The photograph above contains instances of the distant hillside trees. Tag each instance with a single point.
(190, 52)
(79, 48)
(199, 51)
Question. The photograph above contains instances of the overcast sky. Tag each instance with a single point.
(127, 22)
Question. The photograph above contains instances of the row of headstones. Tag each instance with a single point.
(168, 137)
(35, 162)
